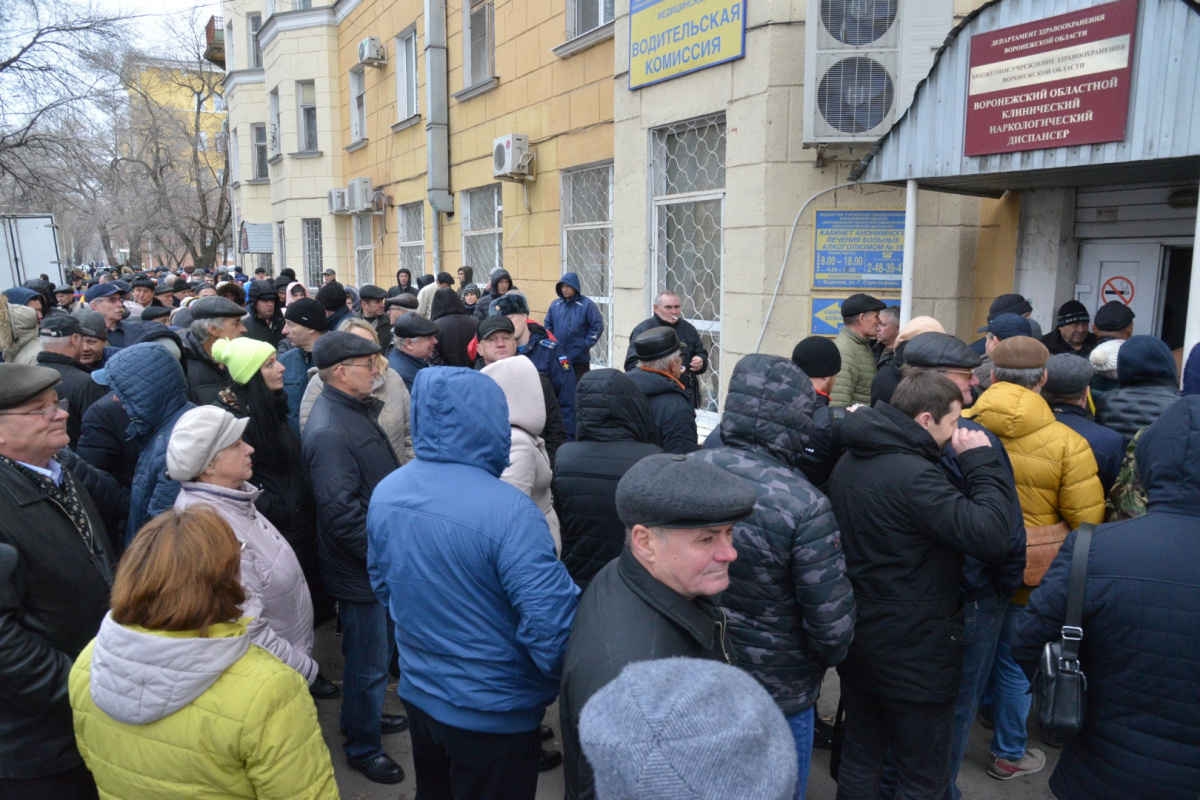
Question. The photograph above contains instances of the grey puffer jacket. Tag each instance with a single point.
(790, 605)
(277, 596)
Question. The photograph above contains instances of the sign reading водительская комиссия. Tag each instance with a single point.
(669, 38)
(1057, 82)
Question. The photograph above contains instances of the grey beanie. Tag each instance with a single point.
(687, 729)
(1067, 375)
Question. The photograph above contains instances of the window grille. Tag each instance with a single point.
(411, 227)
(364, 248)
(587, 243)
(483, 226)
(312, 252)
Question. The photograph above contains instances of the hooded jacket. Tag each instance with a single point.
(576, 323)
(674, 414)
(23, 323)
(905, 527)
(789, 603)
(278, 605)
(410, 289)
(528, 463)
(176, 715)
(488, 654)
(614, 430)
(205, 376)
(271, 331)
(1141, 622)
(455, 329)
(483, 309)
(853, 384)
(1149, 386)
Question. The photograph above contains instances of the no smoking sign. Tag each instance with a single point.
(1117, 288)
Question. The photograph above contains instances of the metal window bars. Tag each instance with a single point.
(364, 248)
(411, 235)
(483, 225)
(587, 244)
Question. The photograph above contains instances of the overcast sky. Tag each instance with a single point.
(154, 15)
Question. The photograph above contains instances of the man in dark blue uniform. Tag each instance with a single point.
(550, 359)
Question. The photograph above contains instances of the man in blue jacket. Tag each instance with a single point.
(575, 321)
(482, 660)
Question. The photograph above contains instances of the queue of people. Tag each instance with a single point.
(188, 495)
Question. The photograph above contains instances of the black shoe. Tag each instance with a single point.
(389, 723)
(380, 769)
(1050, 740)
(547, 733)
(984, 715)
(322, 689)
(549, 760)
(822, 735)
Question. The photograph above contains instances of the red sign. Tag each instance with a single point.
(1057, 82)
(1117, 288)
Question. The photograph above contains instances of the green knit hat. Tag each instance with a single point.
(243, 356)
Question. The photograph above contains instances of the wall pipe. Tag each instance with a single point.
(437, 126)
(910, 252)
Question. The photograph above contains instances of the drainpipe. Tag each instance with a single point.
(437, 127)
(910, 252)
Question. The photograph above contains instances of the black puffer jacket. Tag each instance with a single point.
(77, 388)
(789, 603)
(614, 430)
(1141, 622)
(269, 332)
(455, 329)
(674, 415)
(205, 377)
(904, 529)
(1149, 386)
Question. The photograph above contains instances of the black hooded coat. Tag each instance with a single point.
(269, 332)
(455, 329)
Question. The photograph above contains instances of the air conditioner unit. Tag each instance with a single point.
(335, 200)
(371, 52)
(863, 60)
(511, 158)
(360, 195)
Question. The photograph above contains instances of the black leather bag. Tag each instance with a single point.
(1060, 686)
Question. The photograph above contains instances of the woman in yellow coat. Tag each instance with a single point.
(171, 700)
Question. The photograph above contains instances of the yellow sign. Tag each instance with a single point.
(669, 38)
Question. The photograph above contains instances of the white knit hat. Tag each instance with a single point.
(197, 438)
(1104, 356)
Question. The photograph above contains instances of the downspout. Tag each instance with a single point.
(437, 128)
(910, 253)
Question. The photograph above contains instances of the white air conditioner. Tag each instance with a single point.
(335, 201)
(371, 52)
(511, 158)
(863, 60)
(360, 195)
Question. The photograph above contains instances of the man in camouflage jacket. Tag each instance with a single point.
(789, 603)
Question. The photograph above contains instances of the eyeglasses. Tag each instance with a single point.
(365, 366)
(48, 412)
(964, 372)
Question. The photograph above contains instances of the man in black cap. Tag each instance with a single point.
(95, 337)
(1114, 320)
(668, 312)
(860, 318)
(332, 297)
(281, 286)
(999, 328)
(1008, 304)
(819, 359)
(61, 338)
(105, 298)
(1071, 332)
(425, 296)
(372, 298)
(212, 318)
(181, 290)
(141, 291)
(64, 295)
(657, 600)
(264, 314)
(414, 338)
(164, 295)
(305, 322)
(56, 572)
(1066, 391)
(159, 314)
(329, 275)
(398, 305)
(344, 445)
(660, 366)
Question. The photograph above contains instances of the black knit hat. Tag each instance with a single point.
(307, 312)
(1072, 312)
(818, 357)
(332, 296)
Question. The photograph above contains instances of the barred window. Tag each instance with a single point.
(364, 248)
(483, 225)
(281, 243)
(411, 235)
(587, 243)
(312, 252)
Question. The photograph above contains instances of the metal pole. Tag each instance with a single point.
(1191, 333)
(910, 251)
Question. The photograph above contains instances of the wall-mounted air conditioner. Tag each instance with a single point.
(360, 195)
(335, 201)
(371, 52)
(511, 158)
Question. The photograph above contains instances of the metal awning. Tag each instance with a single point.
(256, 238)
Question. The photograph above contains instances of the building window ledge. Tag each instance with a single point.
(257, 181)
(483, 87)
(585, 40)
(359, 145)
(305, 154)
(275, 159)
(406, 123)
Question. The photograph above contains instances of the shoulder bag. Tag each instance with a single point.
(1060, 686)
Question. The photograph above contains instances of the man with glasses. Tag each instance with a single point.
(668, 311)
(56, 572)
(349, 454)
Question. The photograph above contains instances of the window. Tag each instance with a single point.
(202, 141)
(411, 236)
(269, 8)
(588, 14)
(306, 97)
(364, 248)
(358, 105)
(229, 65)
(587, 243)
(478, 43)
(406, 75)
(312, 251)
(199, 97)
(281, 243)
(234, 165)
(253, 24)
(273, 110)
(259, 133)
(687, 251)
(483, 225)
(303, 5)
(218, 102)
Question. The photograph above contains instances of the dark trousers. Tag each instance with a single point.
(365, 646)
(74, 784)
(581, 368)
(919, 735)
(456, 764)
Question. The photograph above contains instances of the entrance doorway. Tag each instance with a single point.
(1175, 301)
(1124, 271)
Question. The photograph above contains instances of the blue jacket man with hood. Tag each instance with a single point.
(485, 655)
(576, 322)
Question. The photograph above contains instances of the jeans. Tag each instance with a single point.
(365, 647)
(982, 629)
(457, 764)
(1009, 690)
(802, 731)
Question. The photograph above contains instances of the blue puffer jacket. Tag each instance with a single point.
(1141, 623)
(152, 389)
(485, 652)
(296, 364)
(575, 323)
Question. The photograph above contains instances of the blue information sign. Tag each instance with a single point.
(827, 314)
(858, 249)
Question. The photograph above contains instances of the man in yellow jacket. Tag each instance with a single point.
(1057, 483)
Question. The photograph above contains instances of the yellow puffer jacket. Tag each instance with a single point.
(1053, 465)
(163, 715)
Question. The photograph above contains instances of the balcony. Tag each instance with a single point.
(214, 41)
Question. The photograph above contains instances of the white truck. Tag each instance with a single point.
(28, 249)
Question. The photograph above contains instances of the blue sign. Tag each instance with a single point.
(858, 249)
(827, 314)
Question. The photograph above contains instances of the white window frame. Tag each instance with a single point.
(407, 102)
(218, 102)
(260, 158)
(575, 16)
(410, 247)
(305, 131)
(313, 251)
(358, 105)
(486, 71)
(230, 66)
(253, 26)
(364, 248)
(281, 242)
(268, 12)
(234, 165)
(495, 226)
(605, 303)
(274, 134)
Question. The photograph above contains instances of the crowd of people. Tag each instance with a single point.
(197, 470)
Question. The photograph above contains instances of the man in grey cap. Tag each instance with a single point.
(860, 318)
(95, 337)
(61, 338)
(414, 340)
(371, 298)
(212, 318)
(659, 376)
(657, 599)
(1066, 390)
(329, 275)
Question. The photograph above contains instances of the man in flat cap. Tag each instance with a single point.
(56, 572)
(212, 318)
(181, 290)
(61, 338)
(658, 375)
(95, 337)
(304, 324)
(1008, 304)
(668, 312)
(1071, 334)
(105, 298)
(372, 298)
(1114, 320)
(860, 318)
(164, 295)
(1067, 391)
(349, 454)
(64, 295)
(415, 338)
(658, 598)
